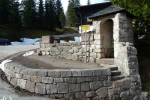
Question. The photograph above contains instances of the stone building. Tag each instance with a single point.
(110, 43)
(113, 28)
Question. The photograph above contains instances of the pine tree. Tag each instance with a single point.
(62, 19)
(4, 12)
(30, 13)
(50, 20)
(88, 2)
(76, 3)
(41, 14)
(59, 9)
(14, 17)
(71, 16)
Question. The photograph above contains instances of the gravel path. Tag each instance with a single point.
(5, 88)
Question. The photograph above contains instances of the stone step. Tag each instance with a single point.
(109, 61)
(113, 68)
(115, 73)
(116, 78)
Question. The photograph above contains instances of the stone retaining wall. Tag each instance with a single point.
(77, 50)
(87, 84)
(60, 83)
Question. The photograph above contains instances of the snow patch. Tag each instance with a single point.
(29, 53)
(2, 65)
(27, 41)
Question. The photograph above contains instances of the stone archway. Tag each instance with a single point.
(107, 38)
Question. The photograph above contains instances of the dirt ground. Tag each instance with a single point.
(47, 62)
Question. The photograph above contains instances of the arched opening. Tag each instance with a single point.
(107, 38)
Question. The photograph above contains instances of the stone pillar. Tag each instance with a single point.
(123, 36)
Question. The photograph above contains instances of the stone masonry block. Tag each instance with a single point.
(30, 86)
(36, 78)
(98, 50)
(18, 75)
(56, 73)
(13, 81)
(47, 39)
(90, 94)
(11, 73)
(42, 72)
(76, 73)
(70, 96)
(97, 36)
(97, 42)
(21, 83)
(81, 79)
(51, 89)
(58, 80)
(32, 72)
(91, 79)
(134, 71)
(80, 95)
(85, 87)
(16, 70)
(87, 73)
(102, 92)
(66, 73)
(63, 87)
(74, 88)
(127, 82)
(106, 72)
(70, 80)
(24, 71)
(117, 83)
(47, 80)
(97, 72)
(27, 77)
(40, 88)
(96, 85)
(93, 55)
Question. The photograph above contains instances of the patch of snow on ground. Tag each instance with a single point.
(29, 53)
(27, 41)
(2, 65)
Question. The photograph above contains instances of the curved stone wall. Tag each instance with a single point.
(75, 83)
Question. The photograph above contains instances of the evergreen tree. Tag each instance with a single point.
(30, 14)
(59, 10)
(76, 3)
(41, 14)
(71, 16)
(88, 2)
(50, 20)
(14, 18)
(62, 19)
(4, 12)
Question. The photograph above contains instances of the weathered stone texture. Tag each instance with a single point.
(40, 88)
(63, 87)
(30, 86)
(21, 83)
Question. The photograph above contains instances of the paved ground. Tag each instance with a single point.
(6, 89)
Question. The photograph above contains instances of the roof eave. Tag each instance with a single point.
(123, 10)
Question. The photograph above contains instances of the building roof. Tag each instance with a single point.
(108, 10)
(88, 10)
(100, 9)
(104, 4)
